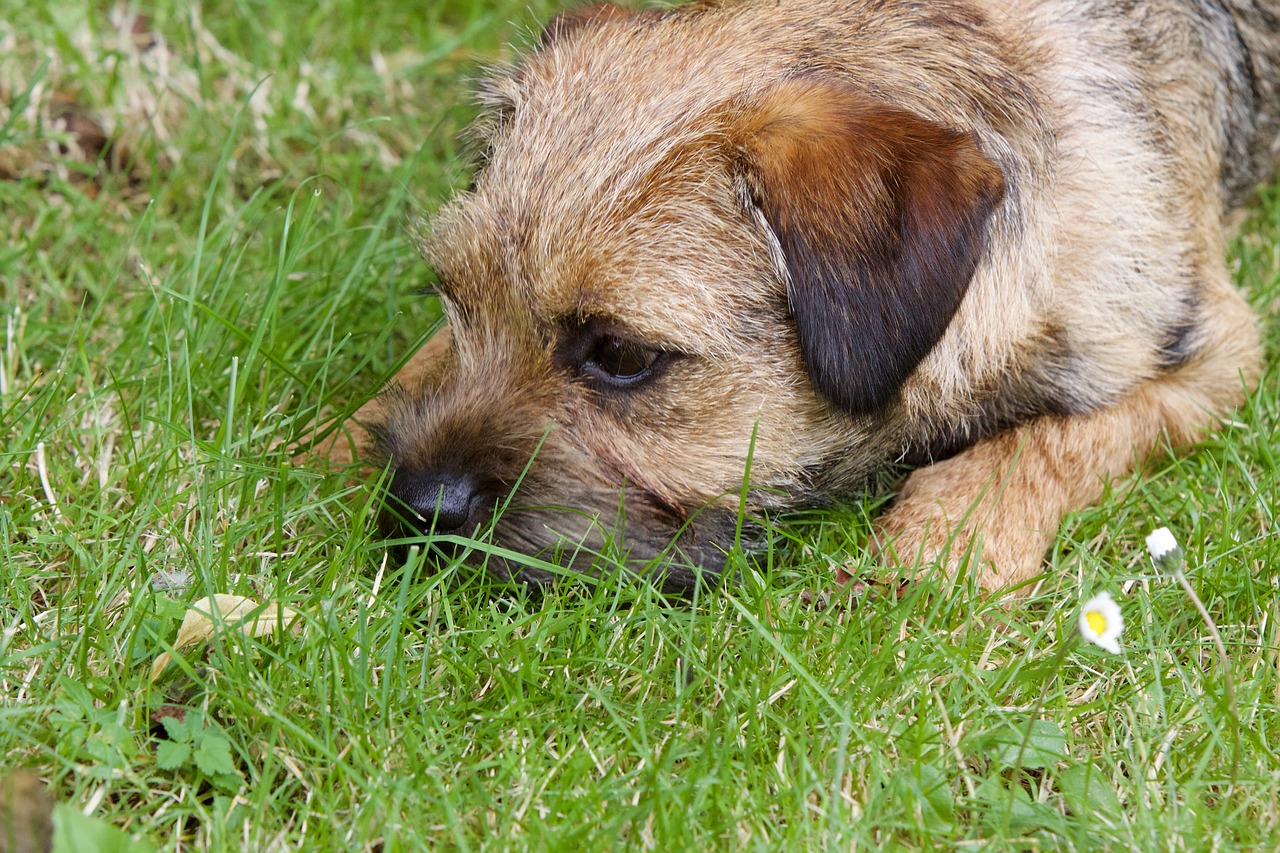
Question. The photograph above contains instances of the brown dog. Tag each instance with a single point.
(795, 242)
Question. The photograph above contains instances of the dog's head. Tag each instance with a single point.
(680, 261)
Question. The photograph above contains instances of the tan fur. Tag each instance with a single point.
(26, 813)
(848, 234)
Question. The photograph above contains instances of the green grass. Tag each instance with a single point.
(176, 313)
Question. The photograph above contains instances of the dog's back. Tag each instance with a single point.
(1251, 53)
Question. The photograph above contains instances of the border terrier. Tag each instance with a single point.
(743, 255)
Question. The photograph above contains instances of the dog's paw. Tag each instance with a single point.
(982, 531)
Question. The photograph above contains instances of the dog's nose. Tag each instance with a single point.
(446, 501)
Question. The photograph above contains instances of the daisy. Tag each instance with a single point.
(1100, 622)
(1164, 549)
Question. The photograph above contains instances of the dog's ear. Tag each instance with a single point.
(564, 23)
(881, 216)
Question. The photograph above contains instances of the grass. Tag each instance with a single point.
(177, 310)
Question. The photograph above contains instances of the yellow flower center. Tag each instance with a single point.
(1097, 622)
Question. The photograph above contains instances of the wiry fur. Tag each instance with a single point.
(982, 234)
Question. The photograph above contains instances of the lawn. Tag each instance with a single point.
(204, 248)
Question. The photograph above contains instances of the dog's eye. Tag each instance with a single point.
(620, 362)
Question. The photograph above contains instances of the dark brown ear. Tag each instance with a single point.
(570, 20)
(882, 218)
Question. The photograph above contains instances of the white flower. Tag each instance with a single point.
(1164, 549)
(1160, 542)
(1100, 622)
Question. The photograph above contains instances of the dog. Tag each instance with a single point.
(733, 258)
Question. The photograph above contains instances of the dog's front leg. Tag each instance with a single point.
(999, 503)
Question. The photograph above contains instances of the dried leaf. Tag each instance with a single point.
(209, 615)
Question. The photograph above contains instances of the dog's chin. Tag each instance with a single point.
(542, 547)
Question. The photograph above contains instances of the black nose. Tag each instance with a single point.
(446, 501)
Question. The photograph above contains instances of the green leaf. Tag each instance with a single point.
(169, 609)
(171, 755)
(937, 805)
(1009, 808)
(1088, 791)
(176, 729)
(921, 790)
(74, 832)
(213, 756)
(230, 782)
(1028, 747)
